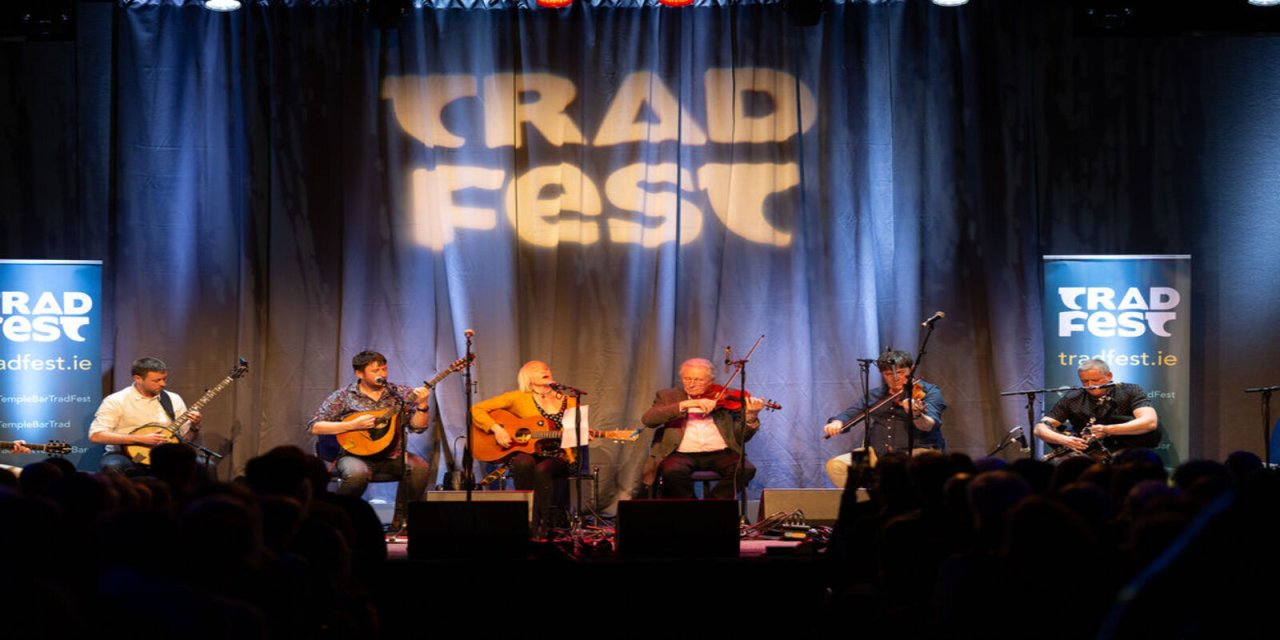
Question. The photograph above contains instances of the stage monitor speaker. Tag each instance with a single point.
(678, 528)
(449, 530)
(820, 506)
(484, 496)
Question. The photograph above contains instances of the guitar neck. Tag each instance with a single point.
(204, 399)
(456, 366)
(8, 446)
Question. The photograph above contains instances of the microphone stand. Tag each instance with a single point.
(1266, 420)
(399, 515)
(579, 463)
(1031, 411)
(1006, 441)
(909, 387)
(864, 368)
(740, 433)
(468, 463)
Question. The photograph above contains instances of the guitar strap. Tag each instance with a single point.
(167, 403)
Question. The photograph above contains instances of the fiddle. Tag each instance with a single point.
(732, 399)
(917, 400)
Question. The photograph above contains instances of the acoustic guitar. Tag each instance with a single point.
(141, 454)
(53, 447)
(529, 435)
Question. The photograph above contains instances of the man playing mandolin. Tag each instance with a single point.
(888, 426)
(372, 410)
(143, 402)
(700, 433)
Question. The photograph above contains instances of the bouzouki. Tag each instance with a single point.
(53, 447)
(529, 435)
(375, 440)
(141, 454)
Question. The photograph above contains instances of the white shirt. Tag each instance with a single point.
(701, 435)
(126, 410)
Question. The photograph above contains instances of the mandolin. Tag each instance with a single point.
(141, 454)
(375, 440)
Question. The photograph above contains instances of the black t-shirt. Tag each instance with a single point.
(1117, 405)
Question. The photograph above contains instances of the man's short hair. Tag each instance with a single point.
(1094, 364)
(892, 359)
(366, 358)
(699, 363)
(147, 364)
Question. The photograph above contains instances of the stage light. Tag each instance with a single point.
(675, 3)
(554, 4)
(222, 5)
(950, 3)
(1264, 3)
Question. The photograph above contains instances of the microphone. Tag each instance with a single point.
(1105, 385)
(728, 357)
(1021, 437)
(469, 333)
(380, 380)
(556, 386)
(937, 315)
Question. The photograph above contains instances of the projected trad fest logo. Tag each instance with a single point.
(649, 200)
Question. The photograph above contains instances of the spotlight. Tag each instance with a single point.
(950, 3)
(222, 5)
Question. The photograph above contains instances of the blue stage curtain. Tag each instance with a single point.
(294, 184)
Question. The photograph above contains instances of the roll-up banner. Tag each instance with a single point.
(1134, 313)
(50, 347)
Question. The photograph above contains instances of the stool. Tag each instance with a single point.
(707, 479)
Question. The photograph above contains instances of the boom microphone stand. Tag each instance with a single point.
(1266, 419)
(909, 387)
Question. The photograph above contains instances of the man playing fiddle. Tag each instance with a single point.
(888, 425)
(697, 434)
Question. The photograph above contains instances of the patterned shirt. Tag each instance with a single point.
(349, 399)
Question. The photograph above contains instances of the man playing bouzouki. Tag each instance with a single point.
(378, 408)
(143, 402)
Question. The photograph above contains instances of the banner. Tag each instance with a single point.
(50, 345)
(1133, 312)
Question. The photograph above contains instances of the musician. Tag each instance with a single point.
(699, 435)
(143, 402)
(545, 471)
(888, 426)
(371, 392)
(1089, 411)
